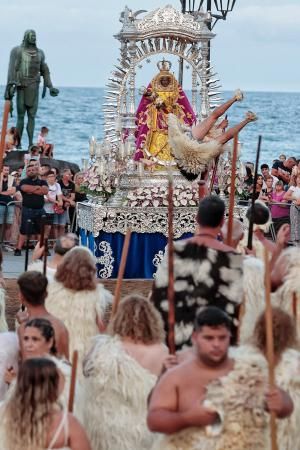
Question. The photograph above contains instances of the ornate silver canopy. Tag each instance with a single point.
(162, 31)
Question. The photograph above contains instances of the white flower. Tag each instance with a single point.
(183, 201)
(176, 203)
(155, 203)
(145, 203)
(192, 203)
(134, 203)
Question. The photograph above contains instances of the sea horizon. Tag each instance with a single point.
(76, 115)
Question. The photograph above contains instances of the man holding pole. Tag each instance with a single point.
(206, 272)
(207, 408)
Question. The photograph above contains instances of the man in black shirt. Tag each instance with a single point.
(33, 190)
(283, 169)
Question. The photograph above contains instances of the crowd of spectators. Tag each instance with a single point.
(279, 189)
(33, 192)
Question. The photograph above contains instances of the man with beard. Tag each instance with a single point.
(26, 66)
(33, 190)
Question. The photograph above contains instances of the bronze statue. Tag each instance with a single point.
(26, 66)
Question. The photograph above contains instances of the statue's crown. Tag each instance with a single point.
(164, 66)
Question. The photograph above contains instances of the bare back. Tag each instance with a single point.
(66, 432)
(150, 357)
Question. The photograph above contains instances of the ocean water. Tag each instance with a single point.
(76, 115)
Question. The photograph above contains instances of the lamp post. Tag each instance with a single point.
(222, 8)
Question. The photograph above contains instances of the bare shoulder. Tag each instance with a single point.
(57, 322)
(160, 349)
(176, 373)
(77, 435)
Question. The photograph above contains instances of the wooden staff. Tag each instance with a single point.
(202, 189)
(214, 172)
(171, 296)
(251, 221)
(27, 245)
(232, 190)
(3, 131)
(295, 306)
(73, 381)
(45, 257)
(121, 273)
(270, 345)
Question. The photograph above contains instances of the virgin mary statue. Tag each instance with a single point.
(162, 97)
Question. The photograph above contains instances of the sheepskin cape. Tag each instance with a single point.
(239, 400)
(9, 354)
(3, 323)
(287, 377)
(283, 297)
(253, 298)
(115, 390)
(191, 155)
(202, 277)
(78, 310)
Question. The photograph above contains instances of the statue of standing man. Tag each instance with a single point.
(26, 66)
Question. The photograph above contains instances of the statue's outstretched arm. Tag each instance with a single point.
(45, 73)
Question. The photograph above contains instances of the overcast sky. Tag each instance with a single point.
(257, 48)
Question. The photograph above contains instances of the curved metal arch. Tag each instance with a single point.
(115, 109)
(158, 52)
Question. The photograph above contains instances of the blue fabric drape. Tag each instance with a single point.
(143, 249)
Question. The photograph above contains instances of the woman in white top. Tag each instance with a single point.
(53, 201)
(293, 194)
(33, 419)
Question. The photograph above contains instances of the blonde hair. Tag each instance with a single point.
(77, 270)
(78, 174)
(27, 414)
(137, 319)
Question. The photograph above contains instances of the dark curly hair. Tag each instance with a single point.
(46, 329)
(284, 332)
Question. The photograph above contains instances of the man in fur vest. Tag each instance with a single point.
(222, 402)
(206, 272)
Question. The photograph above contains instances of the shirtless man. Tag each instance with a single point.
(33, 291)
(177, 400)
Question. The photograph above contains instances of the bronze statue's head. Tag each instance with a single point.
(29, 37)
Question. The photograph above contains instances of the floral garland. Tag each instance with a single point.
(158, 196)
(95, 183)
